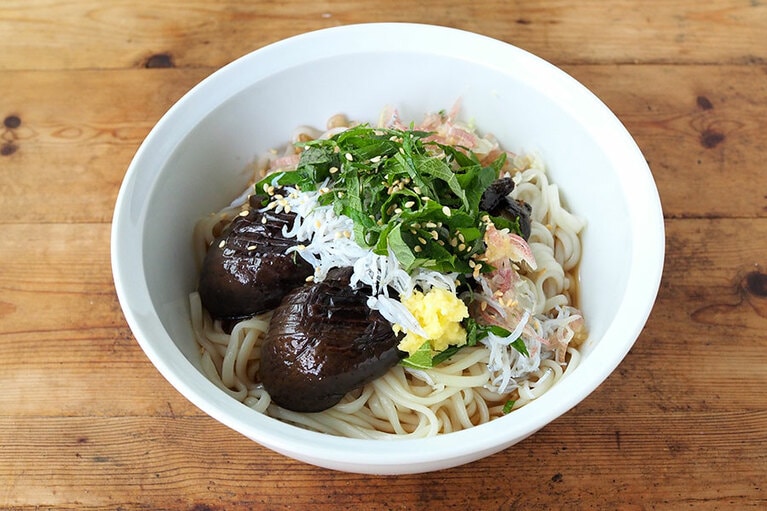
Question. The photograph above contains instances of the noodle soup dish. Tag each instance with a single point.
(381, 274)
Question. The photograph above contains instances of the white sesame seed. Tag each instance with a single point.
(333, 170)
(251, 248)
(375, 159)
(263, 220)
(431, 225)
(409, 204)
(434, 235)
(461, 247)
(349, 156)
(446, 210)
(417, 248)
(421, 241)
(221, 244)
(310, 278)
(417, 190)
(244, 212)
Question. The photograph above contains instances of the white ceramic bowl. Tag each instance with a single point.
(192, 163)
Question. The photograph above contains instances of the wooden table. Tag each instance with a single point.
(86, 422)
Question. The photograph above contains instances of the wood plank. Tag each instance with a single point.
(89, 34)
(63, 340)
(181, 463)
(699, 126)
(70, 140)
(700, 130)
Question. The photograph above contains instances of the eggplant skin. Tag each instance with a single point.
(246, 270)
(496, 201)
(323, 342)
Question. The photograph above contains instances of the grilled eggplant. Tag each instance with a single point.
(496, 201)
(323, 342)
(246, 270)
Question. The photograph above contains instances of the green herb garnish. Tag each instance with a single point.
(421, 359)
(424, 358)
(405, 193)
(519, 345)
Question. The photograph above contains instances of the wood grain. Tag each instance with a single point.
(87, 423)
(65, 159)
(85, 34)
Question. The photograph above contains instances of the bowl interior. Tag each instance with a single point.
(197, 159)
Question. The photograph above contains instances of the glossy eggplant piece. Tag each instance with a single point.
(496, 201)
(246, 270)
(324, 342)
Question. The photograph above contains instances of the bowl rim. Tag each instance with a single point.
(361, 455)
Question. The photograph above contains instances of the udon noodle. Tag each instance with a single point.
(466, 390)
